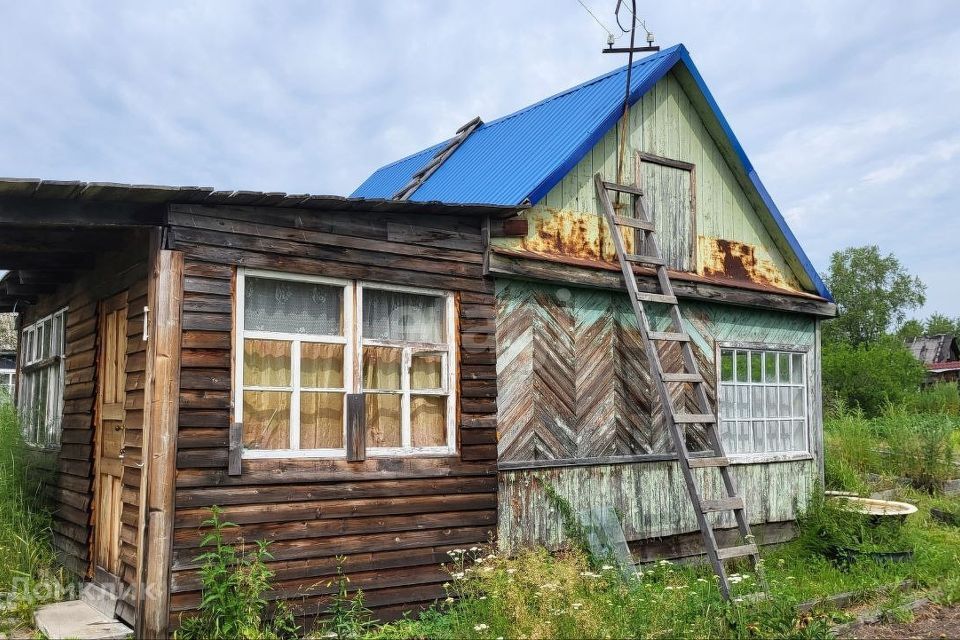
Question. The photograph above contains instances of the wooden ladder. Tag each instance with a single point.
(676, 420)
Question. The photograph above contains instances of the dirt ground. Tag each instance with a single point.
(932, 621)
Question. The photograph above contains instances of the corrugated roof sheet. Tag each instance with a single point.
(521, 156)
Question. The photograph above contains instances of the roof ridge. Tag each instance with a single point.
(639, 63)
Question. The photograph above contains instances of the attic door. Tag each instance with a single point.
(668, 185)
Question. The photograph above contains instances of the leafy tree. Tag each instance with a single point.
(938, 323)
(869, 375)
(872, 291)
(910, 329)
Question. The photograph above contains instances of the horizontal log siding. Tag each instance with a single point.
(392, 519)
(71, 490)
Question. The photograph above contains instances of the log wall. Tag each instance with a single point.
(393, 520)
(70, 487)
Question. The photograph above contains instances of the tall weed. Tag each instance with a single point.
(234, 583)
(28, 570)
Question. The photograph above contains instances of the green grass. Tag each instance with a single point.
(541, 595)
(27, 564)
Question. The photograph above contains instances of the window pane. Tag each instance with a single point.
(773, 435)
(772, 403)
(741, 366)
(292, 307)
(426, 371)
(769, 367)
(266, 419)
(727, 437)
(321, 365)
(799, 435)
(757, 397)
(786, 435)
(266, 363)
(758, 434)
(797, 393)
(321, 420)
(744, 437)
(798, 368)
(381, 368)
(428, 421)
(785, 402)
(756, 367)
(743, 402)
(392, 315)
(383, 419)
(727, 404)
(784, 367)
(726, 366)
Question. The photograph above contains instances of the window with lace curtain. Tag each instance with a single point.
(308, 342)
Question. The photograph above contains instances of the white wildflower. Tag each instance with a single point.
(606, 567)
(491, 556)
(738, 599)
(511, 571)
(474, 549)
(457, 575)
(480, 627)
(577, 605)
(448, 600)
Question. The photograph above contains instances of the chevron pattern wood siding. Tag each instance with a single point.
(574, 382)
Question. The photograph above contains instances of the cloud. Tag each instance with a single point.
(848, 110)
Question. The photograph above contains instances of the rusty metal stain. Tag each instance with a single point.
(732, 260)
(572, 234)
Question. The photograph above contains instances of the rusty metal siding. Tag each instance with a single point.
(651, 498)
(573, 378)
(663, 123)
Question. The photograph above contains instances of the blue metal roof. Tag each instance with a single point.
(518, 158)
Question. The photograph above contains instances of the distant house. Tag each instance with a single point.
(8, 354)
(940, 354)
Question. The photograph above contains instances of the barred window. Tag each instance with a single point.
(763, 407)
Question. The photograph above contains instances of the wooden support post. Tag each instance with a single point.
(356, 428)
(164, 380)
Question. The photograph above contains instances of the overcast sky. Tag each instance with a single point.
(849, 110)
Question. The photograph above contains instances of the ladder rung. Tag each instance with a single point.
(682, 377)
(737, 552)
(623, 188)
(700, 463)
(694, 418)
(724, 504)
(669, 336)
(656, 297)
(636, 223)
(636, 257)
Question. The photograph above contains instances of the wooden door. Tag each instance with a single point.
(111, 395)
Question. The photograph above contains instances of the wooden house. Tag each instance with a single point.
(391, 376)
(940, 354)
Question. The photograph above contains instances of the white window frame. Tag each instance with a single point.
(30, 350)
(750, 347)
(8, 387)
(296, 339)
(448, 348)
(353, 342)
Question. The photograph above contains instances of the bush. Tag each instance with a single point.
(234, 582)
(870, 376)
